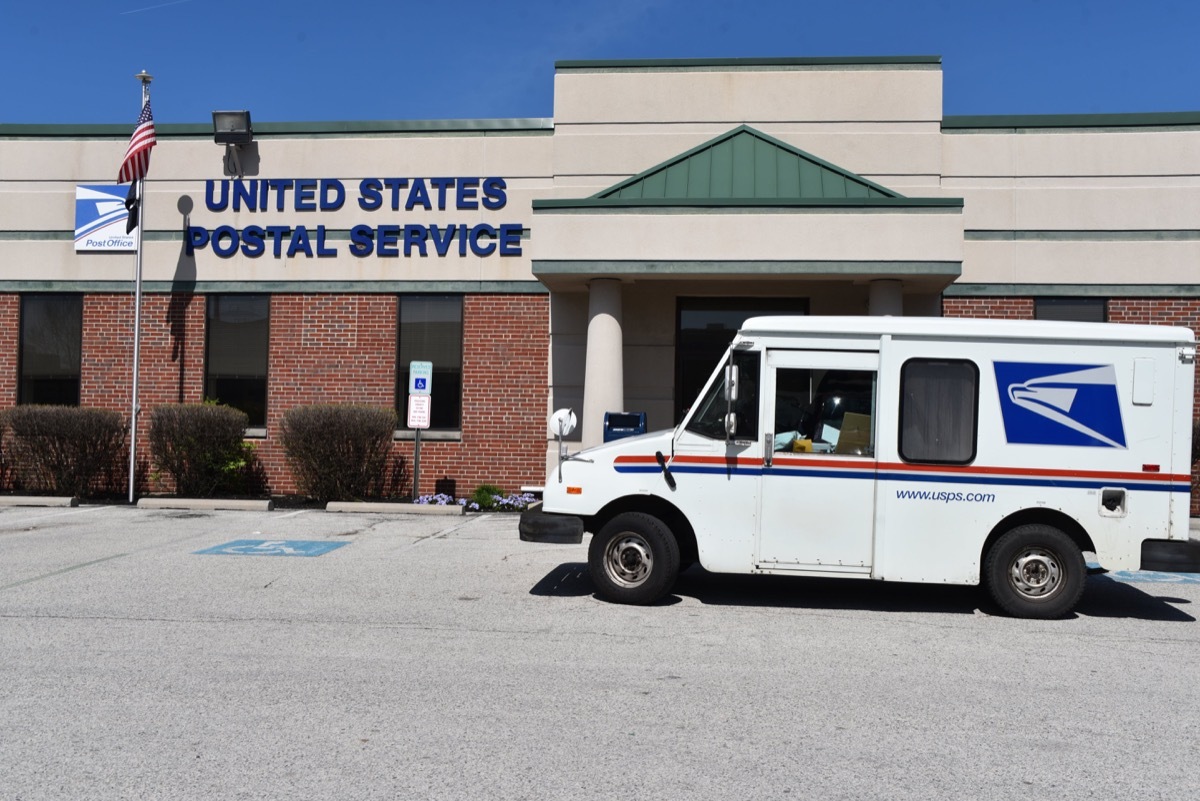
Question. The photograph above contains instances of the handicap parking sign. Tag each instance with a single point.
(273, 548)
(420, 378)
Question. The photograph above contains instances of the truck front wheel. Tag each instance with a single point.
(1035, 571)
(634, 559)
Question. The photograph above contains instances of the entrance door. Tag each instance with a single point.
(818, 479)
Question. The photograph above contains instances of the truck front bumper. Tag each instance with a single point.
(539, 526)
(1171, 556)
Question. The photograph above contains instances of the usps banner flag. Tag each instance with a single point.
(100, 216)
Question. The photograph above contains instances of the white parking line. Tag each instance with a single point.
(7, 521)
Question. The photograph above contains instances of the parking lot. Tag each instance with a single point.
(439, 657)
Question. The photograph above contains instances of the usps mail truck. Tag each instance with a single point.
(900, 449)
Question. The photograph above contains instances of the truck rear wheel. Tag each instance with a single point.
(1035, 571)
(634, 559)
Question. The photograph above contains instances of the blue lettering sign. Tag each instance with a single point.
(333, 194)
(362, 241)
(418, 195)
(399, 194)
(494, 196)
(369, 198)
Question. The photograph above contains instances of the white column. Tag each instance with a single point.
(604, 368)
(885, 299)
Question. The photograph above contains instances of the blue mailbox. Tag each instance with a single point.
(623, 424)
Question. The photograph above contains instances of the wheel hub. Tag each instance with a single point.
(629, 560)
(1036, 573)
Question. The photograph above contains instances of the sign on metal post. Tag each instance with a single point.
(420, 406)
(420, 378)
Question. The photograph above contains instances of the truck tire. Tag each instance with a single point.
(1035, 571)
(634, 559)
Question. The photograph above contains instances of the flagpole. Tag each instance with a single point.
(145, 78)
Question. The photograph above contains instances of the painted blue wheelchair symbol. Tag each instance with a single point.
(274, 548)
(418, 383)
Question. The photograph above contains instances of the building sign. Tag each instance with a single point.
(398, 200)
(100, 217)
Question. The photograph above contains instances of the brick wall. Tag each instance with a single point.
(171, 363)
(506, 347)
(10, 321)
(326, 349)
(995, 308)
(342, 349)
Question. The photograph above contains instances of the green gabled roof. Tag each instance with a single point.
(745, 164)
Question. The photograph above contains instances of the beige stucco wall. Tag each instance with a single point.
(37, 194)
(1097, 206)
(868, 236)
(880, 121)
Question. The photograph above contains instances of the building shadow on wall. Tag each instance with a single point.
(183, 294)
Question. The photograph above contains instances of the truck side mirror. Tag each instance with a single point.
(731, 383)
(731, 425)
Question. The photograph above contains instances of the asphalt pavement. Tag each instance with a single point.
(441, 658)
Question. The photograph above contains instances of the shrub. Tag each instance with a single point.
(486, 496)
(65, 450)
(202, 447)
(338, 452)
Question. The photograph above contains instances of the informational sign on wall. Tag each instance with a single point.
(100, 217)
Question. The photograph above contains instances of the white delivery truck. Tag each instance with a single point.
(901, 449)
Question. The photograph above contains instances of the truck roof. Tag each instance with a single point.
(967, 328)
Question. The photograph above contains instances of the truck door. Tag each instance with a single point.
(817, 491)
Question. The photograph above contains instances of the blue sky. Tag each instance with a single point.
(74, 62)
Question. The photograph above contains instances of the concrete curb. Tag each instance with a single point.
(394, 508)
(207, 504)
(36, 500)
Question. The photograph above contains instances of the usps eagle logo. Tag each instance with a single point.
(100, 216)
(1060, 404)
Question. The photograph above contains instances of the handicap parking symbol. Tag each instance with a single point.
(273, 548)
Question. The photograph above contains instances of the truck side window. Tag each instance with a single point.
(709, 421)
(939, 402)
(825, 411)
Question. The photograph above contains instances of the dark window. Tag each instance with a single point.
(704, 329)
(51, 342)
(1079, 310)
(825, 411)
(238, 335)
(938, 403)
(431, 330)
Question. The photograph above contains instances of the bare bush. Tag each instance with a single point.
(338, 452)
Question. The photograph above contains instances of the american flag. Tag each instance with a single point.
(137, 156)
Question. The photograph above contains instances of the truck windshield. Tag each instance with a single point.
(709, 419)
